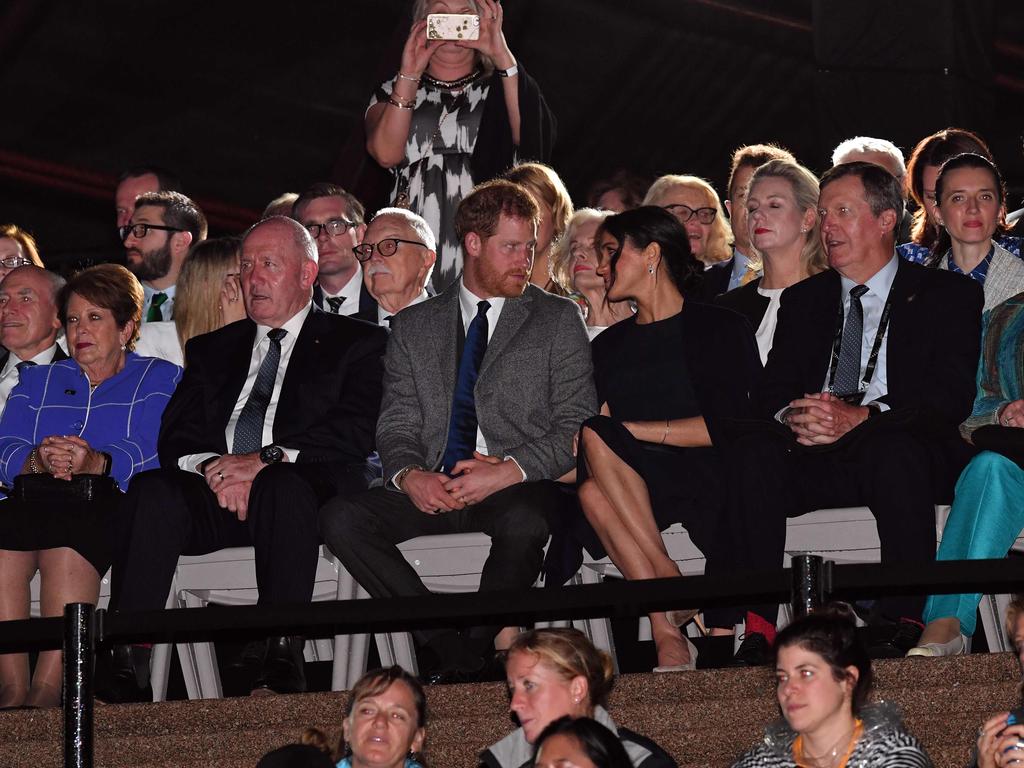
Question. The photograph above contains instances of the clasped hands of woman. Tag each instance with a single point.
(65, 455)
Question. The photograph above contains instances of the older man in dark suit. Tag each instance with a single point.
(28, 323)
(870, 374)
(275, 415)
(485, 386)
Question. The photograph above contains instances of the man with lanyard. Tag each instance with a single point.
(871, 372)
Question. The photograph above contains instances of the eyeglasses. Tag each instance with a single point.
(13, 262)
(141, 230)
(385, 247)
(684, 213)
(334, 227)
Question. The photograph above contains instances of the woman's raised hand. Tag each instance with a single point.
(417, 51)
(492, 42)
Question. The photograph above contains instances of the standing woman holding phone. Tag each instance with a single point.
(457, 113)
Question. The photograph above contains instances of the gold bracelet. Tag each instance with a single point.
(395, 103)
(402, 76)
(666, 432)
(32, 465)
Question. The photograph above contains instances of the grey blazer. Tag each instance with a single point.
(1005, 276)
(535, 387)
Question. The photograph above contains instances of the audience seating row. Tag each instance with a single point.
(453, 564)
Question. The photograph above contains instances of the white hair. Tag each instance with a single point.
(864, 144)
(300, 235)
(416, 222)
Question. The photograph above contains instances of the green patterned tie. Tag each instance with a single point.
(154, 315)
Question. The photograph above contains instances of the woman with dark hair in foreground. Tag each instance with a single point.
(666, 378)
(582, 742)
(823, 678)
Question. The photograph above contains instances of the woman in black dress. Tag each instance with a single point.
(666, 379)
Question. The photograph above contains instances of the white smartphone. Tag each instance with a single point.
(453, 26)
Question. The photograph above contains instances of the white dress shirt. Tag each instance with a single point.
(160, 340)
(261, 346)
(166, 309)
(468, 303)
(872, 302)
(350, 291)
(9, 374)
(383, 314)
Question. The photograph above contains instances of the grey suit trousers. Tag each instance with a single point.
(363, 532)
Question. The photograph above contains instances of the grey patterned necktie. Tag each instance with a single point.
(847, 379)
(335, 303)
(248, 435)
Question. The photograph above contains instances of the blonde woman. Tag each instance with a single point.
(208, 297)
(454, 115)
(17, 249)
(574, 268)
(785, 233)
(553, 673)
(548, 190)
(694, 202)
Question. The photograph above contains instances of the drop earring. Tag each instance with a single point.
(650, 270)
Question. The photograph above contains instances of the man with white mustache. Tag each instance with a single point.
(398, 255)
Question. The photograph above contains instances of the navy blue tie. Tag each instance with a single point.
(463, 424)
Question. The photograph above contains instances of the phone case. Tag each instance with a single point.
(453, 26)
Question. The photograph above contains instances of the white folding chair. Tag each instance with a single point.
(448, 563)
(228, 577)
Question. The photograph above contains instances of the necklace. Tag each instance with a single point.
(830, 759)
(453, 85)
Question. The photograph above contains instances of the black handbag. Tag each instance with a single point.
(47, 488)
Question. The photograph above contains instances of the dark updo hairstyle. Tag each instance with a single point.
(935, 150)
(831, 633)
(111, 287)
(964, 160)
(653, 224)
(570, 654)
(600, 745)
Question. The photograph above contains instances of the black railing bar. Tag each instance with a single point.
(611, 599)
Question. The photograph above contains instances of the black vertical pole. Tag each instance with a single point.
(808, 584)
(79, 650)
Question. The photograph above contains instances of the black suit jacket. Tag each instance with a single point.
(714, 282)
(933, 344)
(367, 304)
(58, 355)
(329, 400)
(747, 301)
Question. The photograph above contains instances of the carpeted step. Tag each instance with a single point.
(703, 718)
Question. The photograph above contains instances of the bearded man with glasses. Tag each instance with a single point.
(163, 226)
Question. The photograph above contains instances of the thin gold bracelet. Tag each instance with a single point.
(663, 437)
(402, 76)
(400, 105)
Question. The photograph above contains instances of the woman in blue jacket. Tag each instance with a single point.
(72, 435)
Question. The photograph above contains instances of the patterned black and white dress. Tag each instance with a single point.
(457, 141)
(436, 172)
(884, 743)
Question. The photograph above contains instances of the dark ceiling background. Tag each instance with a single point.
(245, 100)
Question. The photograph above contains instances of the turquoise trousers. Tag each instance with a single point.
(986, 518)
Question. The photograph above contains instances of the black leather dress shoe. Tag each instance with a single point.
(892, 641)
(754, 651)
(283, 666)
(124, 677)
